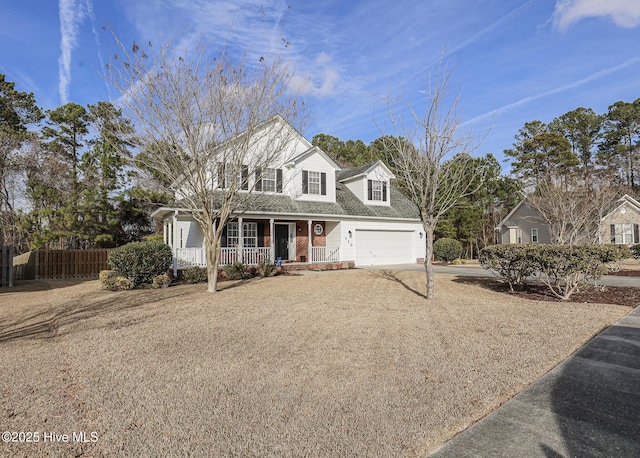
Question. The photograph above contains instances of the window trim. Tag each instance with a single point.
(534, 235)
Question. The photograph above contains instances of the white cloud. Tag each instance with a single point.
(624, 13)
(71, 14)
(320, 80)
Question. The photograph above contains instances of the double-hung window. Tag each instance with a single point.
(314, 183)
(250, 235)
(232, 235)
(269, 180)
(377, 190)
(534, 235)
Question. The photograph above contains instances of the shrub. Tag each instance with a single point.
(124, 284)
(266, 268)
(161, 281)
(195, 275)
(447, 250)
(635, 251)
(154, 238)
(112, 282)
(140, 262)
(510, 262)
(563, 268)
(235, 271)
(108, 279)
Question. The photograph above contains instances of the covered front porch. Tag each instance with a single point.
(252, 240)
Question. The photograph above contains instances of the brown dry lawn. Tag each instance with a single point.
(350, 363)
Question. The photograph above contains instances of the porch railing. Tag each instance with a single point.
(325, 254)
(190, 257)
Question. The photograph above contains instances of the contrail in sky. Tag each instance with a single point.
(566, 87)
(71, 14)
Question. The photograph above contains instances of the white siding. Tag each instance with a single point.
(333, 234)
(359, 188)
(188, 234)
(313, 163)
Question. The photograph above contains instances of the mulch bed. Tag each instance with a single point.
(618, 295)
(626, 273)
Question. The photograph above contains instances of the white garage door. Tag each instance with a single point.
(383, 247)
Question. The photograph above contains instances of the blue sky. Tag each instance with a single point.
(516, 60)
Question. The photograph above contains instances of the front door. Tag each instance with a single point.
(282, 241)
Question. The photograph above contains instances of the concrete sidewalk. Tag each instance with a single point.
(588, 406)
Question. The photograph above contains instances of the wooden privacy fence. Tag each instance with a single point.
(6, 266)
(52, 264)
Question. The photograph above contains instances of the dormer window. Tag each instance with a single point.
(314, 183)
(377, 190)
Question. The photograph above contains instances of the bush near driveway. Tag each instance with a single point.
(562, 268)
(447, 250)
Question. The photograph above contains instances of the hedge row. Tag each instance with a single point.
(563, 268)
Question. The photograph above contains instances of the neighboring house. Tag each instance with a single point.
(307, 209)
(619, 226)
(523, 225)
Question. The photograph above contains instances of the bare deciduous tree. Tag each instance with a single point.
(202, 126)
(572, 209)
(431, 157)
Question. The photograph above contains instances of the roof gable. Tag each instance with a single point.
(353, 173)
(311, 151)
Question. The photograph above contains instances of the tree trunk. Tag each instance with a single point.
(428, 264)
(212, 267)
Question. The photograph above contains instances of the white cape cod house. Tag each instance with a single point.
(307, 209)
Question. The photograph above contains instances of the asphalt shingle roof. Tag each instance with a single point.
(347, 204)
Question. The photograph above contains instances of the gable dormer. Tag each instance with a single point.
(370, 183)
(313, 176)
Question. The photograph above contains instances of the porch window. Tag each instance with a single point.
(232, 235)
(519, 235)
(534, 235)
(249, 235)
(624, 234)
(314, 183)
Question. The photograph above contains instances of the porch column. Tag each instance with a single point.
(174, 243)
(309, 251)
(240, 239)
(272, 245)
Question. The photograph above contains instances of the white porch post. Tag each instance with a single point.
(174, 222)
(240, 239)
(272, 245)
(309, 245)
